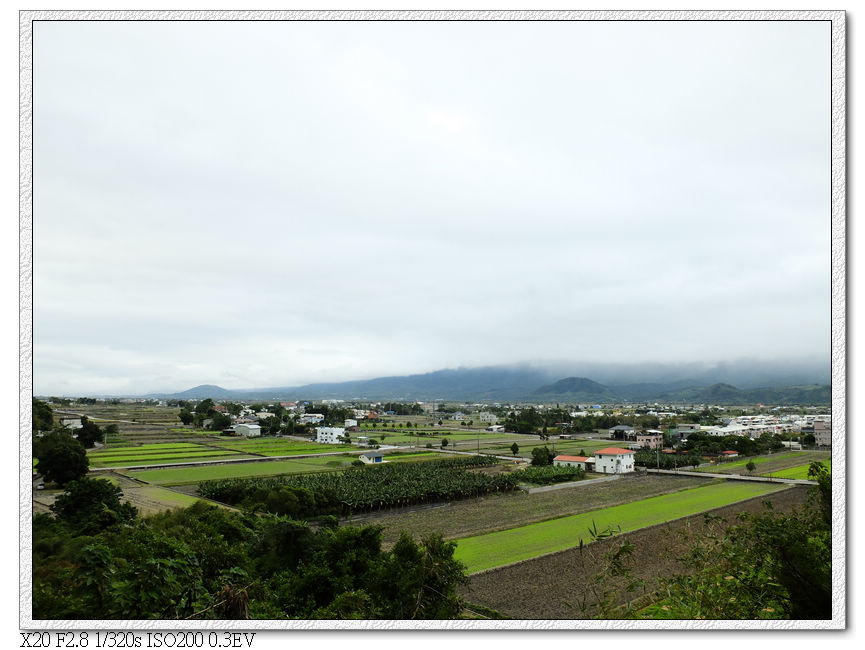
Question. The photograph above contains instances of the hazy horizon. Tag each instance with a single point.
(612, 373)
(283, 203)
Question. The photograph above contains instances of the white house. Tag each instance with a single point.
(371, 457)
(614, 460)
(71, 423)
(311, 418)
(563, 460)
(350, 423)
(496, 428)
(330, 435)
(248, 430)
(487, 417)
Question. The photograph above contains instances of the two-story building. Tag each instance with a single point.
(329, 435)
(614, 460)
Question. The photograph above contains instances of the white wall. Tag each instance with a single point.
(618, 464)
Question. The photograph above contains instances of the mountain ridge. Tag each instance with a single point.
(539, 384)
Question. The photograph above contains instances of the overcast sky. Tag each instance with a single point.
(264, 204)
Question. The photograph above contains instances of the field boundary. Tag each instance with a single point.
(570, 484)
(260, 459)
(736, 477)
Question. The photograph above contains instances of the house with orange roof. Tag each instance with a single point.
(614, 460)
(563, 460)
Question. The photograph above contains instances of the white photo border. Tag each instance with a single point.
(838, 320)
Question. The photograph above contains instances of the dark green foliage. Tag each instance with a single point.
(222, 421)
(186, 417)
(524, 421)
(542, 456)
(204, 562)
(704, 444)
(515, 449)
(654, 458)
(43, 416)
(61, 457)
(361, 488)
(90, 505)
(549, 474)
(89, 433)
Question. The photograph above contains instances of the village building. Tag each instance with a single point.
(329, 435)
(614, 460)
(583, 462)
(487, 418)
(248, 430)
(651, 439)
(823, 433)
(371, 457)
(622, 432)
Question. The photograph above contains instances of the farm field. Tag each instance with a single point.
(522, 590)
(150, 499)
(508, 546)
(767, 464)
(572, 447)
(800, 471)
(463, 439)
(188, 475)
(147, 456)
(471, 517)
(279, 446)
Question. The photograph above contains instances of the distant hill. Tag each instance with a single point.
(204, 391)
(577, 389)
(689, 383)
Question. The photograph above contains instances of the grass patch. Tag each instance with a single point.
(507, 546)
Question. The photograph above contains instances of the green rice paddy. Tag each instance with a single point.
(161, 459)
(187, 475)
(744, 461)
(798, 472)
(504, 547)
(279, 447)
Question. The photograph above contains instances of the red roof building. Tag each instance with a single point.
(613, 451)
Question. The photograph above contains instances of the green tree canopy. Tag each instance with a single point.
(90, 505)
(61, 457)
(43, 416)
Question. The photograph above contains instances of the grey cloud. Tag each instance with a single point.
(277, 203)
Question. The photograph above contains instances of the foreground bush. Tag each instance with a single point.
(205, 562)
